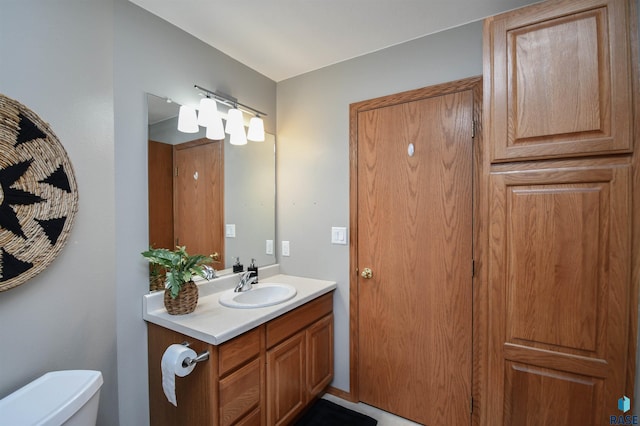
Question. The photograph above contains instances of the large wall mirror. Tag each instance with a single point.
(210, 196)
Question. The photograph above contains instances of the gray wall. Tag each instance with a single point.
(250, 200)
(152, 56)
(57, 59)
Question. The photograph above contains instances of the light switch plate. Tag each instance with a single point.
(285, 248)
(339, 235)
(269, 248)
(230, 230)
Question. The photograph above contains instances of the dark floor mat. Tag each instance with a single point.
(326, 413)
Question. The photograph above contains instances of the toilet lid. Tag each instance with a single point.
(53, 398)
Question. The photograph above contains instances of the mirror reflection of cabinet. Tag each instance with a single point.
(248, 191)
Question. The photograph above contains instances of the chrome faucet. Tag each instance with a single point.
(245, 282)
(208, 272)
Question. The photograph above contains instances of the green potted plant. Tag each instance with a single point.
(181, 293)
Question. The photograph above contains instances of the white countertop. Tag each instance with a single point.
(215, 324)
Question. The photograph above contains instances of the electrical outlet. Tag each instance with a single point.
(269, 249)
(230, 230)
(285, 248)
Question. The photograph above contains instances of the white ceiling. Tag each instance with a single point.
(285, 38)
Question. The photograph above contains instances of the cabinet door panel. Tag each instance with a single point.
(559, 80)
(559, 276)
(286, 380)
(555, 236)
(557, 398)
(319, 355)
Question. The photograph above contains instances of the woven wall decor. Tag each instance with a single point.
(38, 194)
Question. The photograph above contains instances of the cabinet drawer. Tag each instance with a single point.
(239, 350)
(290, 323)
(240, 392)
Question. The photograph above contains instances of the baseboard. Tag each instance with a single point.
(341, 394)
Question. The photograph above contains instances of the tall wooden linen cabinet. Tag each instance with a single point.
(560, 196)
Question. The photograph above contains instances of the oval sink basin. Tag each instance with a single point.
(259, 296)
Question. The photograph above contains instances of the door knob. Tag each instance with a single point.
(366, 273)
(215, 256)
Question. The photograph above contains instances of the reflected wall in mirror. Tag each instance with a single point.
(222, 198)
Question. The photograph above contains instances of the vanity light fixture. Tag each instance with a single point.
(235, 119)
(207, 112)
(209, 117)
(235, 127)
(215, 130)
(238, 136)
(256, 129)
(187, 120)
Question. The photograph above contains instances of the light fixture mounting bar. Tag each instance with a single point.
(228, 100)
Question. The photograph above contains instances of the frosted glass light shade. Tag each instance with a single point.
(256, 130)
(238, 136)
(208, 112)
(187, 120)
(215, 130)
(234, 121)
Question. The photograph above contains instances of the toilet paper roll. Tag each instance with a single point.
(171, 365)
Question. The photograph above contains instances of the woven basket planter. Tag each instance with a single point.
(185, 302)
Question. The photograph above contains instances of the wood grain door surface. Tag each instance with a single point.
(559, 279)
(199, 197)
(415, 234)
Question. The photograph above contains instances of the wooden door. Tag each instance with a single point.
(199, 197)
(414, 231)
(559, 278)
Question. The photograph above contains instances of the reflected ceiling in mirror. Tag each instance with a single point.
(246, 221)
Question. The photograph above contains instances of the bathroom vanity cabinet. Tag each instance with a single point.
(265, 376)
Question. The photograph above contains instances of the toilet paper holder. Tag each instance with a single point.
(199, 358)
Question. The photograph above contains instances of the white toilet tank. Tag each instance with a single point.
(57, 398)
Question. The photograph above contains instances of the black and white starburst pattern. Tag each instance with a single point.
(38, 194)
